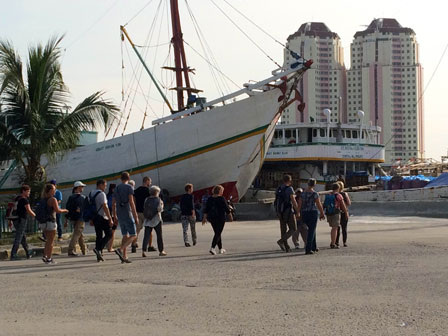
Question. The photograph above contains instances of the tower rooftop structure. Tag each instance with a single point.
(385, 25)
(314, 29)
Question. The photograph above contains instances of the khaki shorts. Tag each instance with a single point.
(141, 220)
(334, 220)
(48, 226)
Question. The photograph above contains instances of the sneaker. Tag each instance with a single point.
(309, 252)
(287, 248)
(212, 251)
(119, 254)
(73, 254)
(222, 251)
(162, 254)
(60, 239)
(187, 245)
(345, 245)
(296, 246)
(14, 257)
(44, 259)
(126, 261)
(99, 257)
(281, 244)
(30, 254)
(152, 249)
(133, 249)
(143, 254)
(51, 262)
(194, 242)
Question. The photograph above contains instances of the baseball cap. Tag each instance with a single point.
(79, 184)
(53, 182)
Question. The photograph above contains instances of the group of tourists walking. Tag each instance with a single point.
(299, 211)
(131, 210)
(134, 209)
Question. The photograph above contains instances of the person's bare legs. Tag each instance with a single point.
(48, 250)
(125, 242)
(110, 244)
(333, 234)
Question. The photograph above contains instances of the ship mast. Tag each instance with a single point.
(180, 61)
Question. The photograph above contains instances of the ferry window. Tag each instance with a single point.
(288, 133)
(343, 133)
(355, 134)
(277, 134)
(314, 132)
(364, 135)
(322, 133)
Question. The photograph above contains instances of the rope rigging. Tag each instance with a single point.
(245, 34)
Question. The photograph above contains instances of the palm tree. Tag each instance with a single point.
(34, 116)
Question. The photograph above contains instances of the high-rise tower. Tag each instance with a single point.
(324, 85)
(385, 81)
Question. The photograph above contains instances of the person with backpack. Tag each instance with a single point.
(152, 212)
(96, 209)
(334, 204)
(344, 216)
(46, 215)
(75, 204)
(125, 212)
(141, 194)
(188, 214)
(19, 217)
(286, 209)
(309, 203)
(215, 212)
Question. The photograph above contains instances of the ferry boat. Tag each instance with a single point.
(324, 151)
(222, 141)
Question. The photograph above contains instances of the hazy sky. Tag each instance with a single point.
(92, 58)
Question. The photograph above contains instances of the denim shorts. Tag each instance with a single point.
(127, 226)
(48, 226)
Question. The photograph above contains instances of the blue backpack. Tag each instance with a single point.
(89, 210)
(330, 205)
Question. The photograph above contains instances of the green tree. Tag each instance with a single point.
(34, 117)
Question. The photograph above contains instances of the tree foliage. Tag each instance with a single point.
(35, 118)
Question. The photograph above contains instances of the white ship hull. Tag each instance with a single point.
(224, 145)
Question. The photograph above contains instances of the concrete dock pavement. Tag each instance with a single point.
(390, 280)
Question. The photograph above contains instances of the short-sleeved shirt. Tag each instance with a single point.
(121, 195)
(100, 199)
(21, 204)
(309, 200)
(187, 204)
(141, 193)
(58, 196)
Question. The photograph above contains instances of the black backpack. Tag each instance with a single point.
(89, 210)
(282, 201)
(42, 213)
(73, 203)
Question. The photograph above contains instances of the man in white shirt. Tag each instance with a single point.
(103, 219)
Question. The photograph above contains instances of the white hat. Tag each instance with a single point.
(79, 184)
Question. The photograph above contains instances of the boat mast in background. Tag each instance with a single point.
(180, 60)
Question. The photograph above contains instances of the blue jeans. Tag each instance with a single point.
(20, 237)
(309, 218)
(59, 222)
